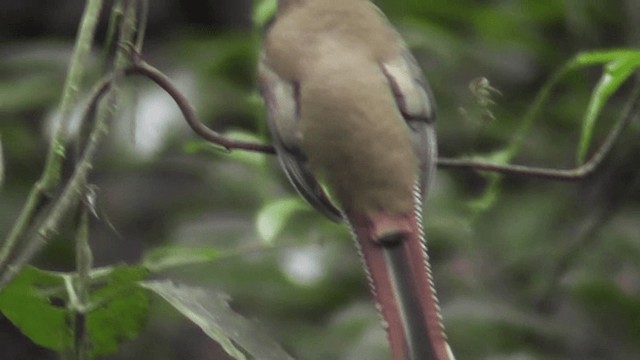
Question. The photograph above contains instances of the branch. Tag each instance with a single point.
(71, 192)
(82, 283)
(76, 185)
(153, 74)
(630, 112)
(586, 169)
(50, 177)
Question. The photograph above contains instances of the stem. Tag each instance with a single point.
(71, 192)
(50, 177)
(631, 111)
(84, 263)
(76, 185)
(115, 19)
(142, 24)
(577, 173)
(188, 112)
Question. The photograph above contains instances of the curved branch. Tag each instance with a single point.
(153, 74)
(586, 169)
(631, 111)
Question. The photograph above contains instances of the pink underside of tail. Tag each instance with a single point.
(367, 230)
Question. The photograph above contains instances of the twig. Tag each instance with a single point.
(84, 263)
(153, 74)
(115, 18)
(76, 184)
(631, 111)
(50, 177)
(70, 194)
(142, 24)
(580, 172)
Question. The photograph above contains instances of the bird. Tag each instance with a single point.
(352, 120)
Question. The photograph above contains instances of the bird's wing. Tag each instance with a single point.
(417, 105)
(281, 99)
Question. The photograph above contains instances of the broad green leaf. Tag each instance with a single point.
(164, 258)
(273, 217)
(37, 302)
(210, 310)
(120, 309)
(28, 303)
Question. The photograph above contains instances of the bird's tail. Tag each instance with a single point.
(395, 256)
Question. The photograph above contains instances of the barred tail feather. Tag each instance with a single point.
(402, 285)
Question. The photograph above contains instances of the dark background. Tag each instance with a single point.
(536, 270)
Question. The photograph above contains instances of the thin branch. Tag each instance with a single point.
(110, 44)
(50, 177)
(82, 283)
(71, 192)
(78, 180)
(153, 74)
(630, 112)
(578, 173)
(142, 24)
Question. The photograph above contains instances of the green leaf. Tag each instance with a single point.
(601, 57)
(28, 303)
(37, 302)
(210, 310)
(120, 309)
(621, 65)
(165, 258)
(264, 11)
(273, 217)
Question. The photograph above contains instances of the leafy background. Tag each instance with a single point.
(531, 269)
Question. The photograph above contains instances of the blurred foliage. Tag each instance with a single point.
(544, 270)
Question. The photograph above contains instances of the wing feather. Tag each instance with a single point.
(416, 102)
(281, 99)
